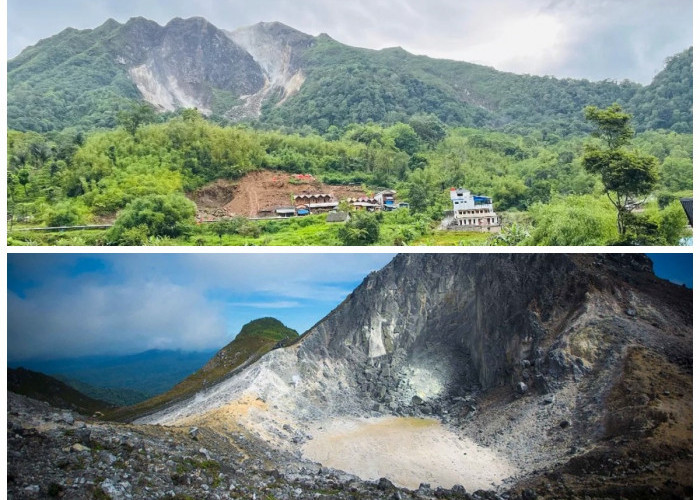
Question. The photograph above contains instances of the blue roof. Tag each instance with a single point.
(303, 211)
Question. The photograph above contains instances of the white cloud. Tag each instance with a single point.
(69, 319)
(69, 305)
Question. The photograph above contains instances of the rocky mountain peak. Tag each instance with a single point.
(531, 367)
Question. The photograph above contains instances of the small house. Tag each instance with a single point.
(386, 199)
(285, 211)
(316, 202)
(365, 203)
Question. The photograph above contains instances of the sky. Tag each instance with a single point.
(70, 305)
(593, 39)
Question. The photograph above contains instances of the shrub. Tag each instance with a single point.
(63, 214)
(362, 229)
(161, 215)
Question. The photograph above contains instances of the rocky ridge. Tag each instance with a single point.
(518, 352)
(570, 366)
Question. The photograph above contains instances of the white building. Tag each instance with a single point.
(473, 212)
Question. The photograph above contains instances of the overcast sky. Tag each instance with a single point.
(65, 305)
(594, 39)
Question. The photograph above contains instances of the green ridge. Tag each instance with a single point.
(45, 388)
(253, 341)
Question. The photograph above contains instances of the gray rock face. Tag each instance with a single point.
(185, 63)
(467, 319)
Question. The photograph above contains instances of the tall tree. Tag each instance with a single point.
(137, 115)
(627, 175)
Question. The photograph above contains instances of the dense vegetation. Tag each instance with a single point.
(79, 79)
(69, 178)
(44, 388)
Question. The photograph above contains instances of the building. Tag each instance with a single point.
(365, 203)
(285, 211)
(339, 216)
(315, 203)
(687, 204)
(386, 199)
(473, 212)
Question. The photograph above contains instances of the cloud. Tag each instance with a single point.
(594, 39)
(65, 320)
(280, 304)
(64, 305)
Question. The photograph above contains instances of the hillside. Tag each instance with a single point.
(44, 388)
(254, 340)
(283, 77)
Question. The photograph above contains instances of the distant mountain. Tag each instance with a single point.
(255, 339)
(150, 372)
(44, 388)
(283, 77)
(114, 396)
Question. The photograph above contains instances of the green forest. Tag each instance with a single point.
(549, 189)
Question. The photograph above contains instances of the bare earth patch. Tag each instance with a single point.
(260, 190)
(407, 451)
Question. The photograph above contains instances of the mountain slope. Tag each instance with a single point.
(44, 388)
(254, 340)
(84, 78)
(149, 372)
(551, 361)
(288, 78)
(667, 103)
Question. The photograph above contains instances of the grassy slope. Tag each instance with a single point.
(44, 388)
(253, 341)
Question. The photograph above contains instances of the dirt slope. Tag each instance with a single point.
(261, 190)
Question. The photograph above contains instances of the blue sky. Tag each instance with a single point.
(68, 305)
(677, 268)
(63, 305)
(593, 39)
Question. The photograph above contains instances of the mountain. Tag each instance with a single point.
(44, 388)
(666, 102)
(114, 396)
(283, 77)
(149, 372)
(255, 339)
(572, 374)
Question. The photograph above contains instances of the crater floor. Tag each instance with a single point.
(407, 451)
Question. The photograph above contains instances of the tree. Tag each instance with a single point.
(162, 215)
(429, 128)
(362, 229)
(23, 179)
(424, 191)
(404, 137)
(572, 221)
(626, 175)
(137, 115)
